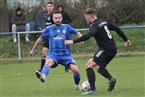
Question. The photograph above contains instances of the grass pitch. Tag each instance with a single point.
(17, 79)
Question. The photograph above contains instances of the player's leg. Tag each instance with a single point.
(66, 69)
(46, 68)
(44, 52)
(51, 62)
(91, 76)
(93, 63)
(102, 58)
(112, 81)
(70, 63)
(74, 68)
(104, 72)
(43, 57)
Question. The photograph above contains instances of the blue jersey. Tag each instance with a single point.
(56, 36)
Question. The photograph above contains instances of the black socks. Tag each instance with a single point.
(91, 78)
(42, 62)
(105, 73)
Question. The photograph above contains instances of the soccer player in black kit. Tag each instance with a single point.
(100, 30)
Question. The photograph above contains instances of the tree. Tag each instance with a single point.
(124, 12)
(4, 20)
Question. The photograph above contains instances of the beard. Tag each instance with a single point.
(57, 23)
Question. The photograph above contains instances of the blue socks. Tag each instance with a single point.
(77, 78)
(45, 69)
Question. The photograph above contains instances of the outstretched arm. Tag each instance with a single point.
(38, 41)
(92, 32)
(120, 33)
(118, 30)
(80, 39)
(85, 37)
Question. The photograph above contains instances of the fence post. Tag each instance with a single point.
(19, 47)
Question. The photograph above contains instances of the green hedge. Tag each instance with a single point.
(8, 49)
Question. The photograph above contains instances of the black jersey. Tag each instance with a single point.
(100, 29)
(48, 19)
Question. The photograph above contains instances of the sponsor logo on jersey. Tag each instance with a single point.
(58, 30)
(63, 31)
(59, 37)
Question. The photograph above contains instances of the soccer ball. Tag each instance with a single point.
(85, 86)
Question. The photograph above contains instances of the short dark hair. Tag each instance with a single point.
(60, 6)
(50, 3)
(56, 12)
(90, 11)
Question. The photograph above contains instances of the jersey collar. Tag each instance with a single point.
(94, 21)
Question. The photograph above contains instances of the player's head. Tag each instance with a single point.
(50, 7)
(90, 15)
(57, 18)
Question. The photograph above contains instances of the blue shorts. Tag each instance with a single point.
(64, 60)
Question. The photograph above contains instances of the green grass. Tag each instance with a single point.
(17, 79)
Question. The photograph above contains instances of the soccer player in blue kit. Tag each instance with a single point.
(59, 53)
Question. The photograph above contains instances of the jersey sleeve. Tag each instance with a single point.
(118, 30)
(72, 30)
(87, 36)
(45, 33)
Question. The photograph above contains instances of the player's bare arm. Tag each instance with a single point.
(68, 42)
(79, 35)
(38, 41)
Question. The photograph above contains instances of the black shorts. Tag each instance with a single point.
(46, 43)
(103, 57)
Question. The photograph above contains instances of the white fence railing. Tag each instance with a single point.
(32, 32)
